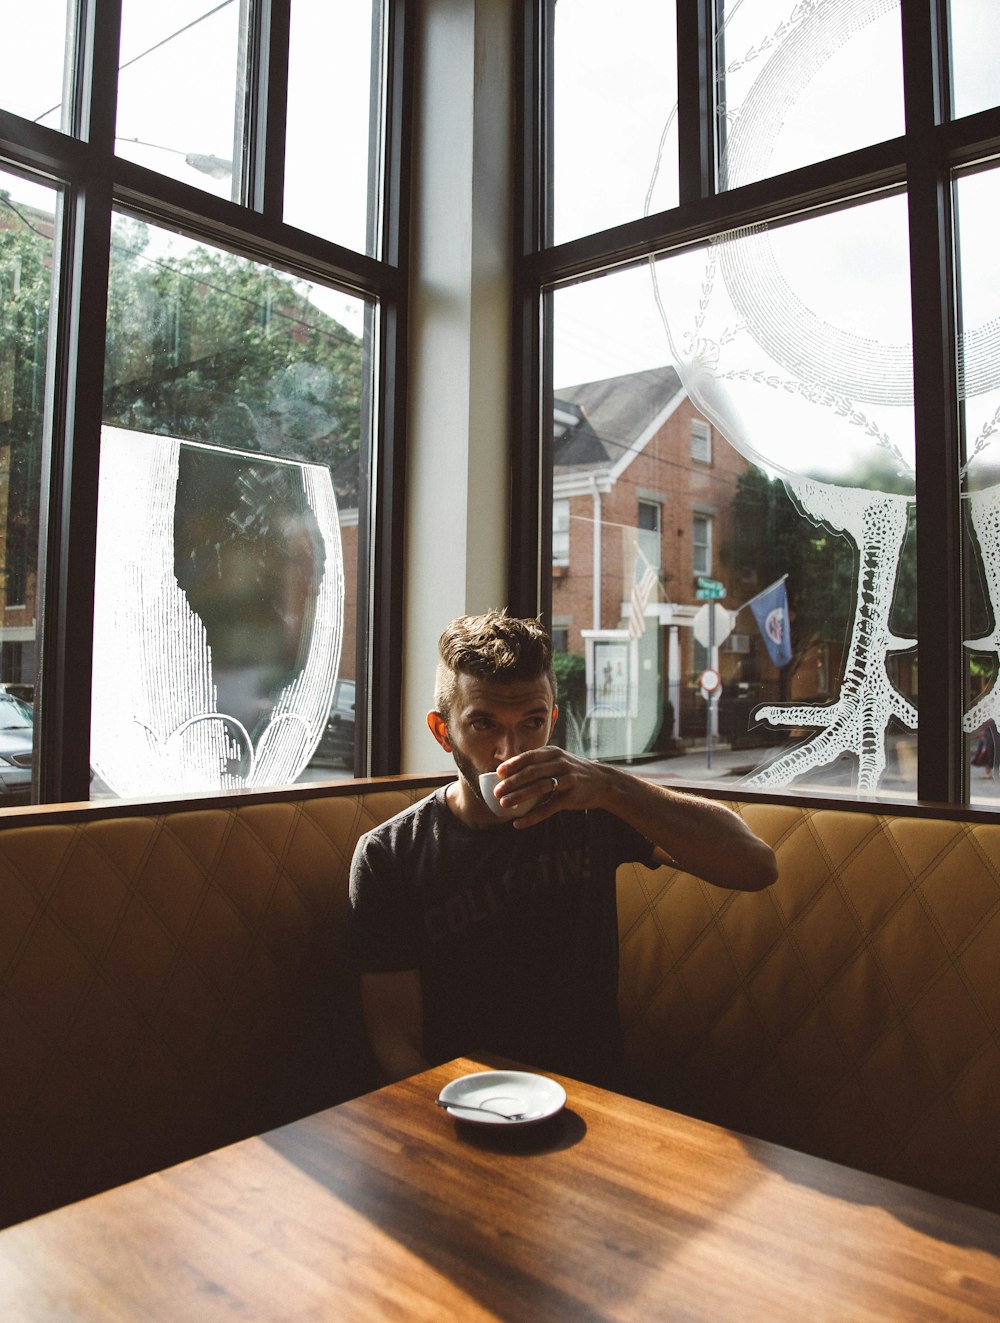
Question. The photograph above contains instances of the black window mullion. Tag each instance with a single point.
(68, 537)
(942, 774)
(381, 513)
(529, 587)
(266, 106)
(695, 99)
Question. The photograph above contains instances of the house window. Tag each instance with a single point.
(701, 441)
(649, 516)
(560, 532)
(701, 544)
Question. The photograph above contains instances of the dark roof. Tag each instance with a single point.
(614, 412)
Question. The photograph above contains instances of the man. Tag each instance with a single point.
(478, 934)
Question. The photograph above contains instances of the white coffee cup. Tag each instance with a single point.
(487, 784)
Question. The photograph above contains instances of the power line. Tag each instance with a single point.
(155, 47)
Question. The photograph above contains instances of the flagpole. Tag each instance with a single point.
(762, 592)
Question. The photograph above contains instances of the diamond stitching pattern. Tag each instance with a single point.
(842, 1009)
(169, 983)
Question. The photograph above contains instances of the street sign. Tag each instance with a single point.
(709, 594)
(710, 681)
(709, 584)
(711, 632)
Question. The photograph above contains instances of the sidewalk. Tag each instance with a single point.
(730, 768)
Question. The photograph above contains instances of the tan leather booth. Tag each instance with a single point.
(852, 1010)
(170, 980)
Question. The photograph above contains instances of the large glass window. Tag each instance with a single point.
(233, 403)
(975, 50)
(36, 64)
(761, 366)
(182, 90)
(977, 199)
(192, 434)
(781, 71)
(27, 281)
(615, 102)
(334, 118)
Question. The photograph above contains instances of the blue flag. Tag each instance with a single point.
(770, 609)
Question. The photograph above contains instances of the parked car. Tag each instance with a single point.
(17, 729)
(336, 746)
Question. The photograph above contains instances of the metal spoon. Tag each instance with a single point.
(472, 1107)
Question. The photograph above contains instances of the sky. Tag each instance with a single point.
(615, 132)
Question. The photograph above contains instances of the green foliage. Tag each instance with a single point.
(571, 683)
(202, 345)
(773, 538)
(213, 347)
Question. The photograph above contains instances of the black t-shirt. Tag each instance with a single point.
(514, 931)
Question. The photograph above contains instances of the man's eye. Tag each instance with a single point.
(481, 724)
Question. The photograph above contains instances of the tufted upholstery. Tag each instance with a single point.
(169, 982)
(852, 1010)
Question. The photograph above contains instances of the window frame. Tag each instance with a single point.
(921, 161)
(96, 183)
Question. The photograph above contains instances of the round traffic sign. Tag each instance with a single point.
(710, 681)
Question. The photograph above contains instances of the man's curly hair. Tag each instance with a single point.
(492, 646)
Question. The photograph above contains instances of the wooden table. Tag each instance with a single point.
(386, 1207)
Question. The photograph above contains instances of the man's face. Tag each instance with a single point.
(491, 721)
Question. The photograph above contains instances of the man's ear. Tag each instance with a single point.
(438, 727)
(552, 722)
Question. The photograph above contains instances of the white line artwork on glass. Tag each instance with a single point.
(224, 682)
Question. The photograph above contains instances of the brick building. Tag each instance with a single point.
(643, 487)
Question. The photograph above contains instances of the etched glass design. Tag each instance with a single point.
(227, 541)
(218, 616)
(781, 73)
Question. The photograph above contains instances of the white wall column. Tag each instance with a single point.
(460, 299)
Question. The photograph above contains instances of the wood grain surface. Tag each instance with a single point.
(388, 1208)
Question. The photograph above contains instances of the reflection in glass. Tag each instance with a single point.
(792, 346)
(782, 71)
(28, 219)
(334, 122)
(181, 91)
(204, 347)
(35, 61)
(977, 200)
(975, 51)
(615, 96)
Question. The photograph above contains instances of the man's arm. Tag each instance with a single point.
(694, 834)
(393, 1011)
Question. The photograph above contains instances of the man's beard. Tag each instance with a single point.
(467, 770)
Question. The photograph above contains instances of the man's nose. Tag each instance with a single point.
(508, 743)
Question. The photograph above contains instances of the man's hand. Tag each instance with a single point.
(694, 834)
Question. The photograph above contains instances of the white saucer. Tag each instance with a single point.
(502, 1093)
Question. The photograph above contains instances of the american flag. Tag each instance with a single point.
(642, 590)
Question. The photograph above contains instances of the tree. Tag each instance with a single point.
(213, 347)
(202, 345)
(773, 537)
